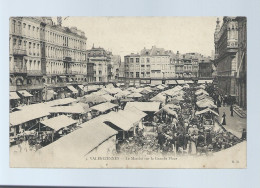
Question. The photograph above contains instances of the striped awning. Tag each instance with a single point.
(81, 87)
(71, 88)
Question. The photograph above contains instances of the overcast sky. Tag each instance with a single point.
(125, 35)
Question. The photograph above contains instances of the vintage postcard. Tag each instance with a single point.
(128, 92)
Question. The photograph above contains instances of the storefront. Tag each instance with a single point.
(25, 96)
(14, 99)
(156, 82)
(171, 82)
(74, 92)
(49, 95)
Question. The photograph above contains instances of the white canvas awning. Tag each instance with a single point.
(120, 121)
(74, 109)
(28, 114)
(181, 82)
(13, 95)
(144, 106)
(58, 122)
(78, 143)
(61, 102)
(124, 119)
(171, 82)
(205, 111)
(25, 93)
(204, 81)
(189, 82)
(103, 107)
(156, 82)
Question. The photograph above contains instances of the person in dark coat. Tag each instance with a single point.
(243, 134)
(161, 140)
(231, 109)
(223, 119)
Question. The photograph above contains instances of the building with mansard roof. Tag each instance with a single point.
(42, 53)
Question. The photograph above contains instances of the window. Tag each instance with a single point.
(131, 74)
(25, 43)
(29, 27)
(19, 26)
(137, 74)
(14, 42)
(20, 42)
(131, 60)
(137, 60)
(19, 82)
(24, 25)
(33, 28)
(148, 60)
(14, 25)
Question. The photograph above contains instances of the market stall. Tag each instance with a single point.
(208, 117)
(103, 108)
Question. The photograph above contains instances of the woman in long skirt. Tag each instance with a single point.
(224, 119)
(192, 147)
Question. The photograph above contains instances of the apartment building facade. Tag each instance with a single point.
(43, 54)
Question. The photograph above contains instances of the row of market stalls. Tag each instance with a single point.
(91, 138)
(46, 122)
(206, 108)
(100, 102)
(99, 135)
(45, 127)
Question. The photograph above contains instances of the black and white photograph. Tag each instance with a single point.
(128, 92)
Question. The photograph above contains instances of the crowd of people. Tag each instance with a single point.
(183, 133)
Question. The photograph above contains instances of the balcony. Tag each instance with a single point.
(67, 58)
(19, 52)
(179, 71)
(34, 72)
(18, 70)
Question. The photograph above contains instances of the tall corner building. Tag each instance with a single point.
(230, 57)
(98, 60)
(43, 54)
